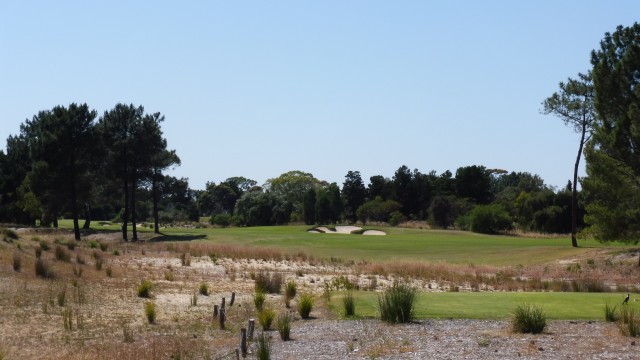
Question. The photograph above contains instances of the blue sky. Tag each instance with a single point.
(257, 88)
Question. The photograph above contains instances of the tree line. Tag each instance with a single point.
(69, 162)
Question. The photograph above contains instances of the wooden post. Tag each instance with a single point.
(233, 298)
(215, 311)
(243, 342)
(222, 318)
(223, 301)
(252, 325)
(237, 354)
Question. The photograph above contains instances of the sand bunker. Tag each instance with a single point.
(345, 230)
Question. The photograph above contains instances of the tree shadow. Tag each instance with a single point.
(162, 237)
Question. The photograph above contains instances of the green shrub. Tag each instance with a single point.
(268, 283)
(62, 254)
(221, 219)
(144, 290)
(396, 218)
(150, 312)
(284, 326)
(305, 305)
(259, 299)
(265, 318)
(396, 303)
(290, 291)
(93, 244)
(611, 313)
(349, 304)
(528, 318)
(263, 352)
(204, 289)
(489, 219)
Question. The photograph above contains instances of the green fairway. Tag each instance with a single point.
(494, 305)
(455, 247)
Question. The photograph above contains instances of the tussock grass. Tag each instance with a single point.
(270, 283)
(611, 313)
(263, 352)
(266, 317)
(150, 312)
(62, 254)
(258, 300)
(8, 235)
(144, 289)
(17, 262)
(396, 304)
(528, 318)
(283, 324)
(290, 291)
(43, 269)
(349, 304)
(203, 289)
(305, 305)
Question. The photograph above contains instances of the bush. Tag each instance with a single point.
(284, 326)
(305, 305)
(144, 290)
(629, 323)
(396, 218)
(528, 318)
(150, 312)
(265, 318)
(221, 219)
(258, 300)
(290, 291)
(396, 303)
(489, 219)
(349, 304)
(264, 347)
(268, 283)
(62, 254)
(204, 289)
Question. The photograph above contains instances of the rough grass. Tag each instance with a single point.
(528, 318)
(396, 304)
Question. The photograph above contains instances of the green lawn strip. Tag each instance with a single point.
(493, 305)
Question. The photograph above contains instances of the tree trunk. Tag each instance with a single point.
(74, 211)
(133, 209)
(125, 216)
(574, 192)
(55, 220)
(87, 216)
(154, 193)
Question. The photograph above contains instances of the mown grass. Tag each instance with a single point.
(491, 305)
(455, 247)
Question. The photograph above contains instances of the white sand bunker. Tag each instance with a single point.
(345, 230)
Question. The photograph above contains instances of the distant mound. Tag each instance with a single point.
(356, 230)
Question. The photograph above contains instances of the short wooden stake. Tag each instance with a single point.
(222, 318)
(215, 311)
(252, 325)
(223, 301)
(237, 354)
(233, 298)
(243, 342)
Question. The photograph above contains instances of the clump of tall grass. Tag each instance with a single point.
(17, 262)
(283, 324)
(150, 312)
(349, 304)
(259, 299)
(305, 305)
(204, 289)
(268, 283)
(528, 318)
(263, 352)
(8, 235)
(611, 313)
(290, 291)
(144, 290)
(396, 304)
(44, 246)
(62, 254)
(43, 269)
(185, 259)
(265, 318)
(629, 322)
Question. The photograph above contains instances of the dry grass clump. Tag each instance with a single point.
(269, 283)
(43, 269)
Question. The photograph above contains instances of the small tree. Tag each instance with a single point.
(489, 219)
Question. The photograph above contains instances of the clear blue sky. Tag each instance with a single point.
(258, 88)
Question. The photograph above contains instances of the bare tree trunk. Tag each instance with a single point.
(125, 216)
(133, 209)
(154, 193)
(87, 216)
(574, 192)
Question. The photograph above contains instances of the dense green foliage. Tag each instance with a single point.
(396, 304)
(528, 318)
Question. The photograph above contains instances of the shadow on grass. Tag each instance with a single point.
(163, 237)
